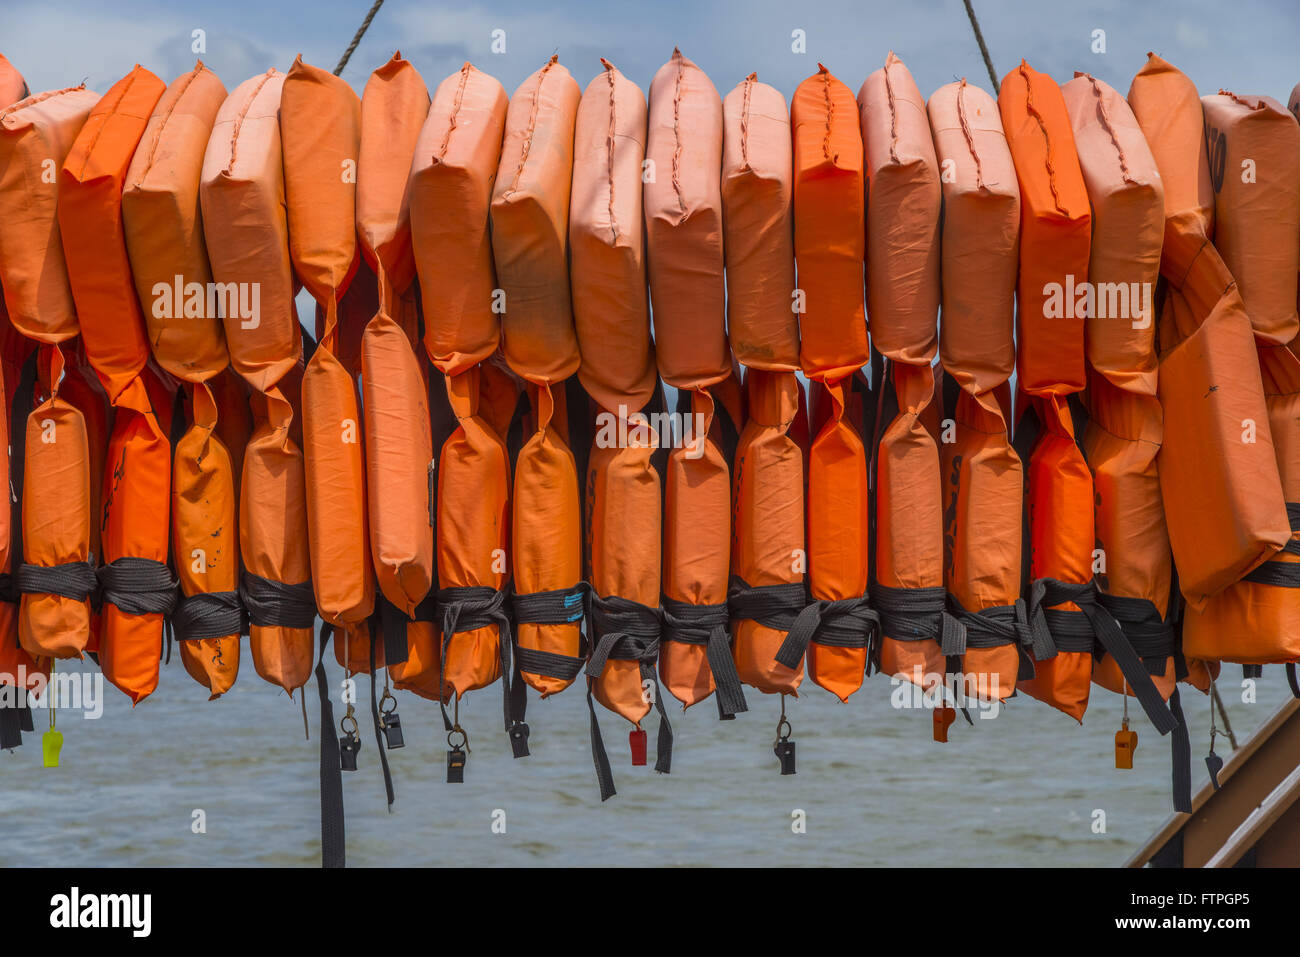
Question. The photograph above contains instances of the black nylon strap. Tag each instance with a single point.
(24, 396)
(1048, 591)
(916, 614)
(1182, 757)
(209, 615)
(75, 580)
(466, 608)
(392, 627)
(707, 625)
(1292, 680)
(379, 732)
(625, 630)
(772, 606)
(995, 626)
(139, 586)
(1151, 636)
(560, 606)
(1278, 574)
(845, 622)
(332, 842)
(1293, 514)
(273, 604)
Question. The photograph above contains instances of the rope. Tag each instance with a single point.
(365, 25)
(979, 38)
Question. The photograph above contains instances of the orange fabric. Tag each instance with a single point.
(1126, 424)
(451, 190)
(983, 479)
(33, 270)
(683, 219)
(829, 226)
(1055, 234)
(767, 542)
(904, 200)
(320, 136)
(758, 227)
(530, 225)
(164, 228)
(12, 85)
(57, 516)
(1255, 170)
(246, 229)
(138, 477)
(1232, 517)
(606, 239)
(473, 512)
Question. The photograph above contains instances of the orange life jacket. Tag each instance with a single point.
(138, 586)
(983, 479)
(530, 244)
(903, 294)
(830, 249)
(246, 230)
(623, 487)
(164, 238)
(684, 258)
(1254, 147)
(768, 557)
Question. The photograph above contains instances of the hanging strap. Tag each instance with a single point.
(843, 623)
(1181, 749)
(917, 614)
(392, 626)
(559, 606)
(707, 625)
(332, 844)
(139, 586)
(379, 731)
(625, 630)
(209, 615)
(273, 604)
(1103, 627)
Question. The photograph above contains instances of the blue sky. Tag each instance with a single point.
(1247, 45)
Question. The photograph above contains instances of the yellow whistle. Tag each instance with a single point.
(51, 745)
(1126, 743)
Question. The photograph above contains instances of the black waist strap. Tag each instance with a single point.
(1276, 573)
(772, 606)
(625, 630)
(844, 623)
(1048, 591)
(995, 626)
(75, 580)
(559, 606)
(467, 608)
(707, 625)
(209, 615)
(139, 586)
(273, 604)
(1150, 635)
(916, 614)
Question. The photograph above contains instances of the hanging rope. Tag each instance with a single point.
(979, 38)
(365, 25)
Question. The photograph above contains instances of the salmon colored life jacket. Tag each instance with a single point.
(1233, 516)
(530, 245)
(623, 486)
(164, 238)
(246, 231)
(56, 523)
(12, 85)
(768, 558)
(904, 201)
(1254, 157)
(1124, 431)
(1069, 623)
(684, 258)
(452, 177)
(830, 245)
(398, 448)
(982, 476)
(138, 587)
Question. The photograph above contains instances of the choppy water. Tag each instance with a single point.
(1020, 789)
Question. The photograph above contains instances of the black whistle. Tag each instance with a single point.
(519, 740)
(393, 730)
(455, 766)
(349, 745)
(784, 751)
(1214, 764)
